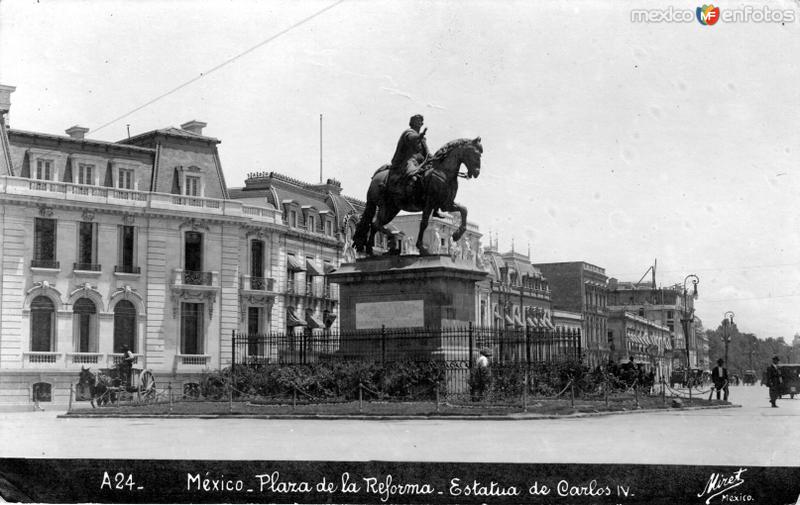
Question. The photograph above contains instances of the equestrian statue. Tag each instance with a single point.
(415, 181)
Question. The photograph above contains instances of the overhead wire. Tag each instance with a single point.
(220, 65)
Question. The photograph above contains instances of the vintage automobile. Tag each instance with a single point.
(749, 377)
(791, 379)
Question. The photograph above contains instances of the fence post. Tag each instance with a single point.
(663, 391)
(69, 407)
(383, 344)
(572, 393)
(689, 383)
(230, 397)
(527, 346)
(169, 388)
(360, 397)
(294, 397)
(605, 389)
(636, 394)
(233, 351)
(438, 385)
(525, 392)
(470, 335)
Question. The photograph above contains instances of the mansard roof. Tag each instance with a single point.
(84, 143)
(278, 189)
(170, 131)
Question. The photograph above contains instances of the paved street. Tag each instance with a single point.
(752, 435)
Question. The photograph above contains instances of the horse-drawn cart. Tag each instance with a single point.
(109, 386)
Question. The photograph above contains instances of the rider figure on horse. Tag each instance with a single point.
(409, 156)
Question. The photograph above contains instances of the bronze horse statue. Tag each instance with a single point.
(435, 188)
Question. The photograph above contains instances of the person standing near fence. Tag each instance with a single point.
(483, 377)
(720, 378)
(774, 381)
(126, 365)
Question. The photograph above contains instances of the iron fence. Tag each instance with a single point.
(451, 345)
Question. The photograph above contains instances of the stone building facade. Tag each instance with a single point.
(647, 341)
(666, 306)
(140, 244)
(581, 287)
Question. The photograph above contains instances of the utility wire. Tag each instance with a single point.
(226, 62)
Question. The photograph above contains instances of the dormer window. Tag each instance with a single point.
(191, 185)
(311, 222)
(293, 218)
(189, 181)
(125, 178)
(86, 174)
(328, 228)
(44, 170)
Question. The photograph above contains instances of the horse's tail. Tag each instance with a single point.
(361, 235)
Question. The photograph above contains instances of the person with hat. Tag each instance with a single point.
(126, 365)
(719, 375)
(774, 381)
(481, 377)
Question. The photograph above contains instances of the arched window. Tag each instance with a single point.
(43, 326)
(124, 326)
(84, 325)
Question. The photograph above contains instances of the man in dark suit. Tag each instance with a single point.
(720, 378)
(774, 381)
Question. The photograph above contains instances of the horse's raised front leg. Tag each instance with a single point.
(463, 227)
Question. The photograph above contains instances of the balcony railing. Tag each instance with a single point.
(84, 358)
(140, 199)
(192, 359)
(45, 264)
(115, 358)
(127, 269)
(196, 278)
(89, 267)
(258, 283)
(39, 359)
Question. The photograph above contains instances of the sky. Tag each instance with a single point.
(609, 141)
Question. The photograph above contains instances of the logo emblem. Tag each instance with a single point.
(708, 15)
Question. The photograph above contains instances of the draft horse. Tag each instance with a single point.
(106, 385)
(435, 188)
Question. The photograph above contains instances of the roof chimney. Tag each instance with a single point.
(193, 126)
(77, 132)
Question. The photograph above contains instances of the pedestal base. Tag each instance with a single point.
(431, 292)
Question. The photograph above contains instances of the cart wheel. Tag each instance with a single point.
(147, 386)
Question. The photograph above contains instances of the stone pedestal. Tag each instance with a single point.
(431, 292)
(430, 297)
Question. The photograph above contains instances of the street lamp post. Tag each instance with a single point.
(727, 326)
(686, 316)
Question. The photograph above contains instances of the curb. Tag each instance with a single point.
(362, 417)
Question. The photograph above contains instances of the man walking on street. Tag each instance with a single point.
(774, 381)
(720, 378)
